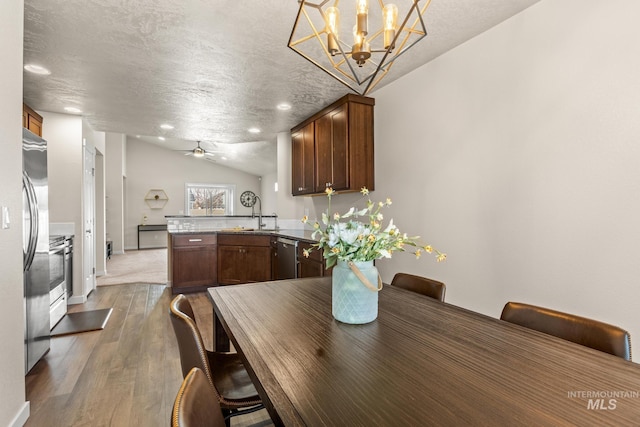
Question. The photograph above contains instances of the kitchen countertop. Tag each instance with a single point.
(292, 233)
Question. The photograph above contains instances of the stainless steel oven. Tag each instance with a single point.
(57, 279)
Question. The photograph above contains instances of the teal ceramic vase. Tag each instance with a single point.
(351, 301)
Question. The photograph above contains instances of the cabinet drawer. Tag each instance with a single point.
(243, 240)
(315, 254)
(194, 240)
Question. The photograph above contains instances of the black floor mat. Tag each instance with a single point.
(82, 321)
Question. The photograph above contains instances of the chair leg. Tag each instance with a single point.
(227, 414)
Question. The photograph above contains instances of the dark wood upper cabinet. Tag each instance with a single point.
(342, 147)
(302, 154)
(31, 120)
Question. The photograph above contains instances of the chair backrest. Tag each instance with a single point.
(195, 403)
(193, 353)
(581, 330)
(422, 285)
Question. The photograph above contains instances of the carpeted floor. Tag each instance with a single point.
(145, 266)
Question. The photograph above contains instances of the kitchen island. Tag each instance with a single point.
(214, 251)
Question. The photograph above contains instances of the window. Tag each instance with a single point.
(209, 199)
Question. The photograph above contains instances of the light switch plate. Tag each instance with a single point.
(6, 221)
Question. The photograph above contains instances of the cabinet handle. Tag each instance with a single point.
(328, 184)
(195, 240)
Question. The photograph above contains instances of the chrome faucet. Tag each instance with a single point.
(260, 224)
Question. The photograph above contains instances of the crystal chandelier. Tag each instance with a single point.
(335, 36)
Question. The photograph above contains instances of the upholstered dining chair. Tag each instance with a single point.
(422, 285)
(224, 371)
(581, 330)
(195, 403)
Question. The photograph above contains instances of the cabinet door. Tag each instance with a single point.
(314, 265)
(230, 265)
(302, 160)
(332, 150)
(310, 268)
(243, 264)
(257, 264)
(193, 266)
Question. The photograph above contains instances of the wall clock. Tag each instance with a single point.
(248, 199)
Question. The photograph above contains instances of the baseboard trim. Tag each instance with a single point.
(77, 300)
(22, 416)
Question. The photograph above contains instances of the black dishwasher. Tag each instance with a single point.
(287, 258)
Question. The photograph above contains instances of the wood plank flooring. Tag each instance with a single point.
(125, 375)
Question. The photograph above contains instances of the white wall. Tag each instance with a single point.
(517, 154)
(151, 167)
(267, 193)
(97, 141)
(63, 133)
(13, 408)
(115, 172)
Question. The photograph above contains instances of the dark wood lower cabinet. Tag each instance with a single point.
(193, 262)
(314, 266)
(244, 259)
(202, 260)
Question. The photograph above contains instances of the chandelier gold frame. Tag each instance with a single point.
(362, 64)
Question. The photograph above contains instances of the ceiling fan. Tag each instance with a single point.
(198, 151)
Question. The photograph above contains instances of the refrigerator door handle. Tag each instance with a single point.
(33, 215)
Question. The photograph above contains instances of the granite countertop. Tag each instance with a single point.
(217, 216)
(294, 234)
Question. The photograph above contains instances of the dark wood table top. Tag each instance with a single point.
(420, 363)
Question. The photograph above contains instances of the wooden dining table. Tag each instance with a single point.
(421, 362)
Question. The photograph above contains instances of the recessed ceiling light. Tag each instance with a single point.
(223, 158)
(161, 138)
(37, 69)
(166, 126)
(284, 106)
(137, 136)
(73, 110)
(254, 130)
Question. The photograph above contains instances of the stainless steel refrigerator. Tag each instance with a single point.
(35, 214)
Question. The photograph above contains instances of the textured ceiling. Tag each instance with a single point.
(212, 69)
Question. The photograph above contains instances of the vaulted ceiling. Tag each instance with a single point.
(212, 69)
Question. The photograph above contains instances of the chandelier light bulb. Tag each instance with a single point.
(390, 19)
(333, 25)
(362, 11)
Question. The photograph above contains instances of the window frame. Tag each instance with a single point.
(229, 198)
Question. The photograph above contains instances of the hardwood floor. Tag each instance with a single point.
(125, 375)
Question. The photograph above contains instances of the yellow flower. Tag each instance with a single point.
(330, 192)
(359, 234)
